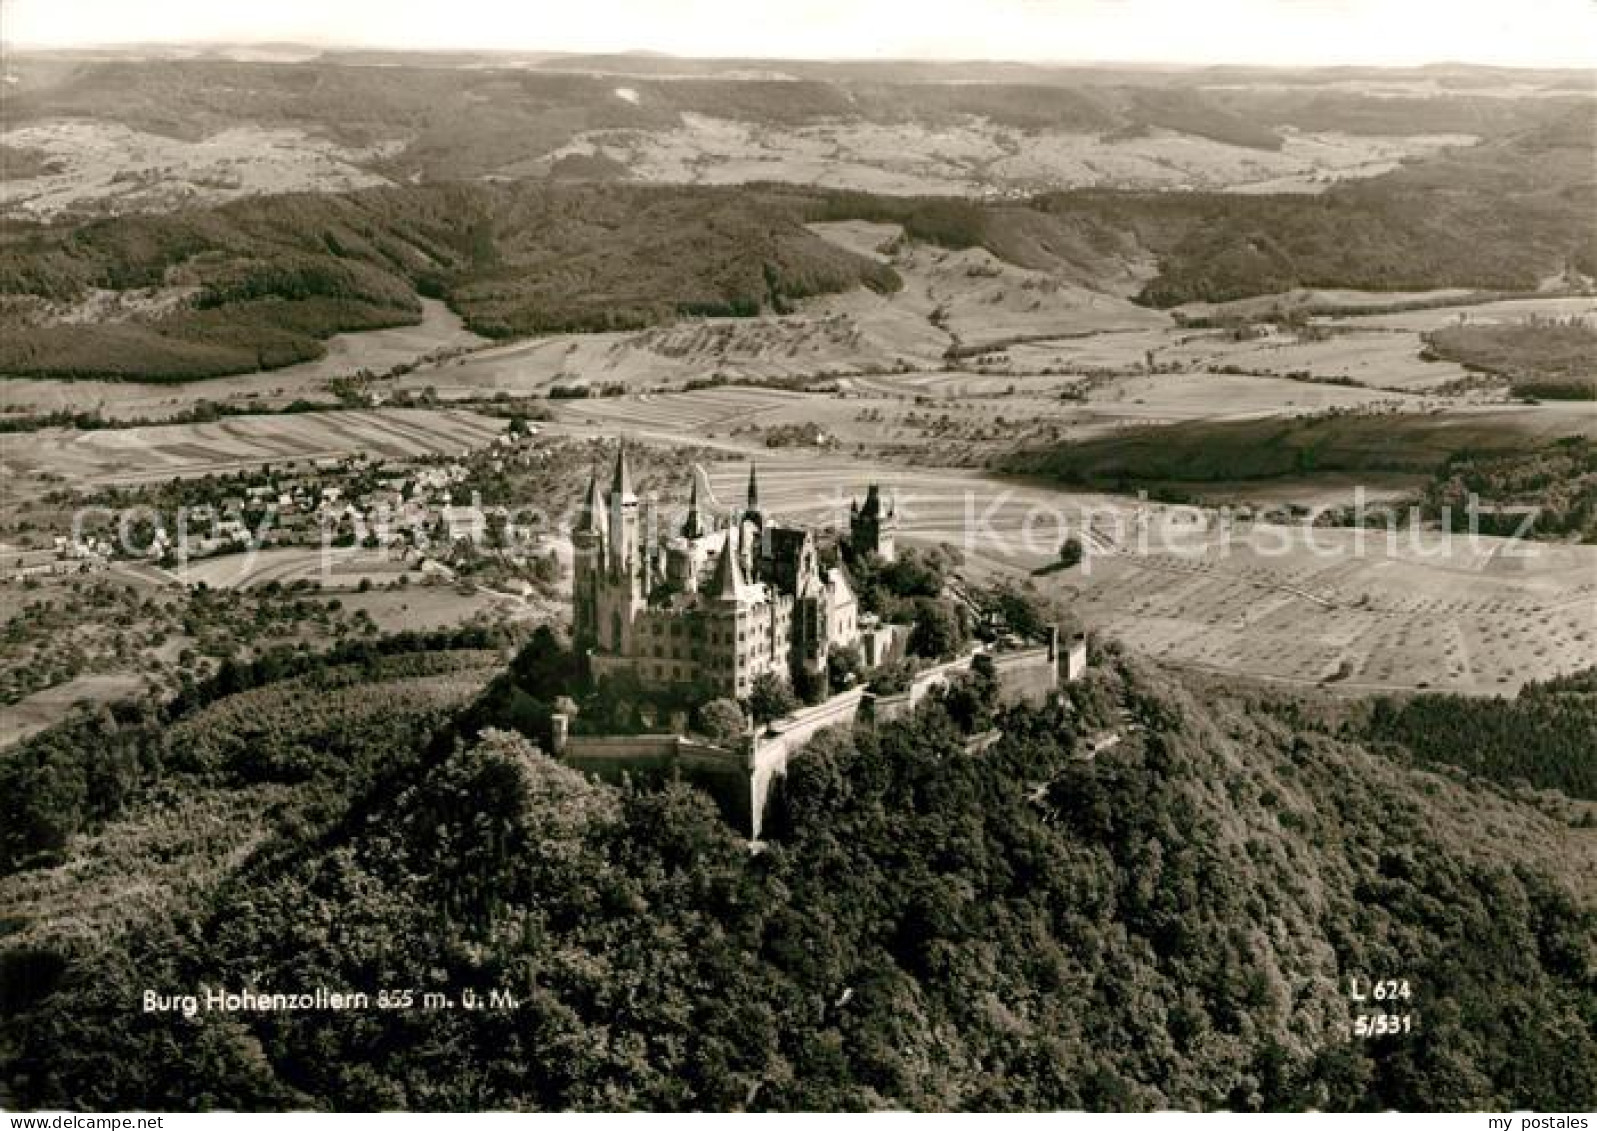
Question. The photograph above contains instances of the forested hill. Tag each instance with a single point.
(257, 283)
(1501, 215)
(1174, 923)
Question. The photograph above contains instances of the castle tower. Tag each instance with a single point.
(751, 505)
(694, 526)
(623, 589)
(624, 534)
(588, 564)
(872, 526)
(726, 584)
(728, 613)
(649, 537)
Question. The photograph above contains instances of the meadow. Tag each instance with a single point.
(1314, 606)
(156, 453)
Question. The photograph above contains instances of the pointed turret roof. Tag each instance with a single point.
(727, 584)
(693, 526)
(873, 502)
(621, 484)
(593, 518)
(754, 490)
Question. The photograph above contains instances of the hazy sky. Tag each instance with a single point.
(1518, 32)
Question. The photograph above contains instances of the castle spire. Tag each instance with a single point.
(693, 525)
(727, 583)
(621, 484)
(754, 491)
(592, 518)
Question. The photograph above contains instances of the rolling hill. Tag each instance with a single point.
(1171, 923)
(116, 133)
(255, 284)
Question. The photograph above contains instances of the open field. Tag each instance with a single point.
(427, 607)
(1298, 604)
(160, 452)
(377, 351)
(333, 568)
(92, 166)
(964, 418)
(1471, 621)
(771, 348)
(1377, 359)
(952, 419)
(1270, 447)
(46, 708)
(404, 318)
(1328, 301)
(948, 299)
(979, 156)
(1509, 310)
(1035, 327)
(424, 602)
(861, 341)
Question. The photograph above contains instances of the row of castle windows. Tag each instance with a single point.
(737, 681)
(758, 648)
(669, 671)
(764, 632)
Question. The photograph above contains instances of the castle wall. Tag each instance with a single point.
(743, 781)
(885, 708)
(1074, 664)
(1029, 676)
(881, 643)
(721, 772)
(785, 738)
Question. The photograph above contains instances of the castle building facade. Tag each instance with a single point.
(715, 602)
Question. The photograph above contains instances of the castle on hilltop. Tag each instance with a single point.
(715, 603)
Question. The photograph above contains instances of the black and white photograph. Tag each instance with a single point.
(965, 556)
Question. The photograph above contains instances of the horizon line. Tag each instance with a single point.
(335, 45)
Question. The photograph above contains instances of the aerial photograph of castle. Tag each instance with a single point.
(652, 557)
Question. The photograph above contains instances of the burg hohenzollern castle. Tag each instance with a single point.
(718, 601)
(713, 602)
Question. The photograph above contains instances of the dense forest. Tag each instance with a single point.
(1199, 451)
(1550, 358)
(1171, 923)
(1544, 737)
(1479, 472)
(81, 774)
(1558, 482)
